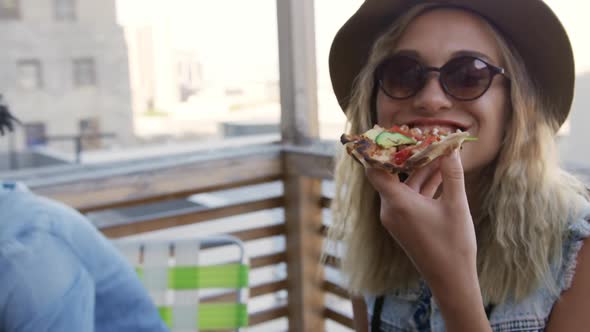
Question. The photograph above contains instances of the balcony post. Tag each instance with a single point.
(299, 126)
(298, 77)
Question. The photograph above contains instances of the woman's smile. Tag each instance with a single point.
(435, 38)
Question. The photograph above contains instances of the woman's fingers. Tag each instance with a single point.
(381, 180)
(453, 180)
(389, 186)
(426, 181)
(430, 188)
(420, 176)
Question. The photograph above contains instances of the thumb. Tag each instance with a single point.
(453, 179)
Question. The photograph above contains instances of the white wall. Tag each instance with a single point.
(575, 147)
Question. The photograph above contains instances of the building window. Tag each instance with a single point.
(84, 72)
(90, 131)
(29, 74)
(65, 10)
(35, 134)
(9, 9)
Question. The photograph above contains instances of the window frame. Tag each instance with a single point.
(33, 63)
(84, 72)
(39, 129)
(65, 10)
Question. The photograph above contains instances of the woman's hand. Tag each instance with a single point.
(436, 231)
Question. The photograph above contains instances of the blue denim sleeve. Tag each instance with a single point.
(45, 287)
(122, 303)
(58, 273)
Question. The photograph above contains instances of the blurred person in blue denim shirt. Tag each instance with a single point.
(58, 273)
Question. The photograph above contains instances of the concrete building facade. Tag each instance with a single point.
(64, 71)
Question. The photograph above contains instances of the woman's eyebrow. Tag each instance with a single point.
(474, 54)
(408, 53)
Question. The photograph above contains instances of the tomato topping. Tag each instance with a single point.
(400, 157)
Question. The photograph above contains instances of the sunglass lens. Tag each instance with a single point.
(401, 77)
(466, 78)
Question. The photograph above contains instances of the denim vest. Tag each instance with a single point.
(415, 309)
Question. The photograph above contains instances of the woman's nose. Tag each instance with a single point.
(432, 97)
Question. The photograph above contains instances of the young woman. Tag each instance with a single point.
(486, 238)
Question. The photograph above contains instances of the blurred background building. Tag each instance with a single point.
(197, 67)
(64, 72)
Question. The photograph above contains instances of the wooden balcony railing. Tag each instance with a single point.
(95, 190)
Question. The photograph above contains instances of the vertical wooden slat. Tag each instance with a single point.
(299, 126)
(304, 244)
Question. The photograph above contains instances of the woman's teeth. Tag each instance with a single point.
(438, 129)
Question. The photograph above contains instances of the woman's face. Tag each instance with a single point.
(433, 39)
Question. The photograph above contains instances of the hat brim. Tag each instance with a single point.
(529, 25)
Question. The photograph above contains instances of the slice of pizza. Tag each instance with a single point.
(402, 149)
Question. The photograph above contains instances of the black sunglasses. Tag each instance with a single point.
(463, 78)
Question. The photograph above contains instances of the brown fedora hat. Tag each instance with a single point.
(530, 25)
